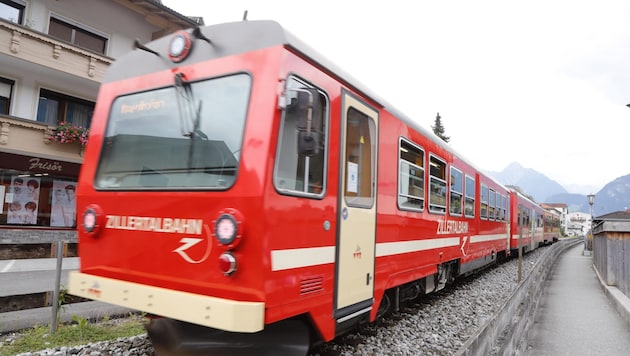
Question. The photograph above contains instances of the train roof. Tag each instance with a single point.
(245, 36)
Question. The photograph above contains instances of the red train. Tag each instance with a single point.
(245, 190)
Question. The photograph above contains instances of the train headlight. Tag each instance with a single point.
(91, 222)
(179, 47)
(229, 227)
(226, 229)
(227, 263)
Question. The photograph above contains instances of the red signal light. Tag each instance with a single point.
(227, 263)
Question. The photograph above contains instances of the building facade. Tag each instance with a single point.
(54, 54)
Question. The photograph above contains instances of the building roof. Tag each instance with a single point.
(156, 9)
(617, 215)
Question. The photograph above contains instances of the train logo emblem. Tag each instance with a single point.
(188, 242)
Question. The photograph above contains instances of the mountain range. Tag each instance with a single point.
(614, 196)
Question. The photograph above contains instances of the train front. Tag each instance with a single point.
(163, 220)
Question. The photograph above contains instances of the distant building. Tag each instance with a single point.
(578, 223)
(54, 54)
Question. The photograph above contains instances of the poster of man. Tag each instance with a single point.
(63, 212)
(23, 198)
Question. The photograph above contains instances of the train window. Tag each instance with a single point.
(410, 177)
(437, 185)
(185, 136)
(523, 214)
(484, 201)
(469, 202)
(492, 205)
(457, 188)
(298, 171)
(360, 159)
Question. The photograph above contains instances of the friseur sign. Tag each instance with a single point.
(39, 165)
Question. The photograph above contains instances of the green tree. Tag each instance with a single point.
(438, 128)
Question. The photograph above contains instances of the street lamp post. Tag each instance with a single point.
(589, 238)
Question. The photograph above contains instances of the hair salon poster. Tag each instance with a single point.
(23, 200)
(64, 206)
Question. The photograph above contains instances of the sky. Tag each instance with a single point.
(541, 83)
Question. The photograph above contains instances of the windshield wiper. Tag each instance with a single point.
(188, 111)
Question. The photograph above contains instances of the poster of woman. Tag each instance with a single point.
(23, 199)
(63, 212)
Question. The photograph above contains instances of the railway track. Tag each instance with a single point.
(485, 314)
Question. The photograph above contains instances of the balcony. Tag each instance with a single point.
(28, 49)
(30, 138)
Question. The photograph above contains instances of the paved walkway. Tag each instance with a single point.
(578, 315)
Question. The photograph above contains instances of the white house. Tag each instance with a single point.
(54, 54)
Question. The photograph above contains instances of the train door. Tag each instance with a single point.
(357, 209)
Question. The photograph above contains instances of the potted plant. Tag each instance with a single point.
(68, 133)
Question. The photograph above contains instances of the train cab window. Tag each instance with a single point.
(457, 187)
(188, 135)
(410, 176)
(492, 205)
(484, 201)
(469, 202)
(360, 161)
(437, 184)
(300, 164)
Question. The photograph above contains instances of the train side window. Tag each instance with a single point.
(469, 202)
(457, 188)
(484, 201)
(299, 170)
(437, 185)
(492, 205)
(410, 176)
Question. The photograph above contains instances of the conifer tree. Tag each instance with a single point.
(438, 128)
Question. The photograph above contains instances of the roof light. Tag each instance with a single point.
(179, 46)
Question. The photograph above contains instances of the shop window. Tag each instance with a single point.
(6, 89)
(37, 199)
(77, 35)
(12, 11)
(54, 108)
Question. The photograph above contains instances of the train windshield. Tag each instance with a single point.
(186, 136)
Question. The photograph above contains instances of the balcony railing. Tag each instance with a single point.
(31, 138)
(23, 43)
